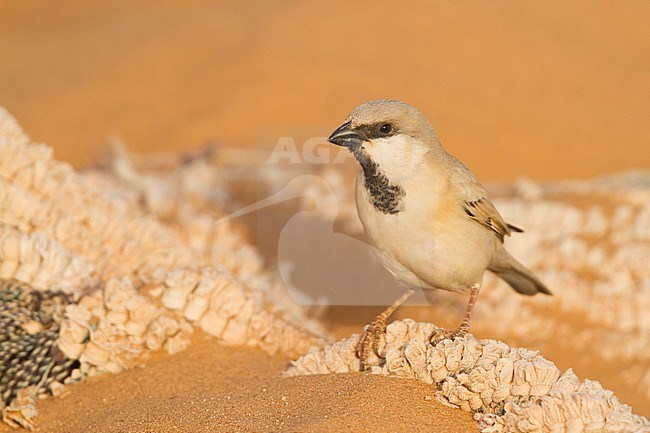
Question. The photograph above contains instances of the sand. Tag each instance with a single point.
(210, 388)
(549, 90)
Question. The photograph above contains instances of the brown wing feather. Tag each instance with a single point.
(484, 212)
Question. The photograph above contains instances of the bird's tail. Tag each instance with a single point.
(517, 275)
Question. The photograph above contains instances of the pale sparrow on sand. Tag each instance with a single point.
(426, 213)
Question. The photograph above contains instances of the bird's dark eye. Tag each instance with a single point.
(385, 128)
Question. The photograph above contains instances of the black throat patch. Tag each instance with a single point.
(385, 196)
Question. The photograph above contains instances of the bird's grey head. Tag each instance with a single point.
(390, 139)
(392, 134)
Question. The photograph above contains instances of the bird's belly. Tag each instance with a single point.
(428, 253)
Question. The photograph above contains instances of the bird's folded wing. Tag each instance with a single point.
(484, 212)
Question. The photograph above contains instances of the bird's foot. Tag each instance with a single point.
(441, 334)
(370, 342)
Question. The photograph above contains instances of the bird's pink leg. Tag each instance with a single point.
(463, 329)
(375, 331)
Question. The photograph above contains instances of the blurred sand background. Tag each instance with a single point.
(547, 90)
(543, 89)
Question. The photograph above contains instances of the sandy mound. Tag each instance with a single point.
(218, 389)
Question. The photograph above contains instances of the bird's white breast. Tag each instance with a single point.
(430, 243)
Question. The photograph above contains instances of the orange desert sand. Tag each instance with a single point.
(210, 388)
(553, 90)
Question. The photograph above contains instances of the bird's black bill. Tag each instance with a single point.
(346, 136)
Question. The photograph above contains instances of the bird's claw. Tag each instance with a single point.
(370, 342)
(441, 334)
